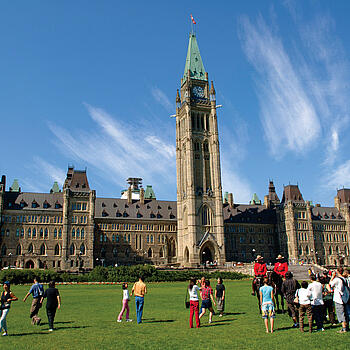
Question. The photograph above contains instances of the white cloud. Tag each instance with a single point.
(162, 98)
(53, 172)
(288, 115)
(236, 184)
(339, 177)
(118, 151)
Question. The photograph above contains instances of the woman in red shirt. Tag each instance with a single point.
(207, 300)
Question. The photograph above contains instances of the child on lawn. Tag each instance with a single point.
(267, 304)
(126, 299)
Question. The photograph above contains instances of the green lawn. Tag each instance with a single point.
(87, 320)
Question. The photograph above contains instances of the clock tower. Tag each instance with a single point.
(199, 192)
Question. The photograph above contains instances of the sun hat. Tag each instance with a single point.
(279, 257)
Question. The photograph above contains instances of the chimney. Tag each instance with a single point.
(266, 201)
(230, 199)
(142, 195)
(129, 195)
(337, 202)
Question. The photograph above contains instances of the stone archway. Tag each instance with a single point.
(29, 264)
(207, 253)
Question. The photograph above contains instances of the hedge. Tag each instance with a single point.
(113, 274)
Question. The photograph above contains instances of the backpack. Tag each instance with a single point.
(346, 291)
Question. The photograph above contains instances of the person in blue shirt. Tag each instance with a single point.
(37, 290)
(267, 300)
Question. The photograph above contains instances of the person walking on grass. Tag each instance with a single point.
(193, 290)
(139, 290)
(37, 290)
(126, 299)
(289, 287)
(267, 301)
(207, 300)
(6, 298)
(340, 298)
(304, 295)
(52, 304)
(315, 288)
(220, 297)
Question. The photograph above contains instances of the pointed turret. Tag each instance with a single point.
(194, 67)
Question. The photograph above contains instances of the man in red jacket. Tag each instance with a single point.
(260, 271)
(281, 267)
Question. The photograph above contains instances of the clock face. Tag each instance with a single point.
(198, 91)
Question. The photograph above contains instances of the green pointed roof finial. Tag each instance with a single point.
(15, 186)
(255, 199)
(194, 64)
(149, 193)
(55, 188)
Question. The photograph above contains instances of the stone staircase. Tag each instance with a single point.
(300, 272)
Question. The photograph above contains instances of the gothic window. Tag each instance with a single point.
(60, 233)
(82, 233)
(55, 233)
(330, 251)
(202, 121)
(57, 249)
(149, 253)
(19, 250)
(115, 252)
(30, 248)
(161, 253)
(42, 249)
(72, 249)
(307, 250)
(206, 216)
(73, 233)
(187, 255)
(3, 250)
(82, 249)
(41, 233)
(78, 233)
(34, 232)
(337, 249)
(46, 233)
(22, 232)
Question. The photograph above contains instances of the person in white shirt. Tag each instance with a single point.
(340, 297)
(126, 299)
(304, 296)
(193, 290)
(316, 302)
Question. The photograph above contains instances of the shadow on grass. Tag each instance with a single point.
(225, 320)
(233, 313)
(72, 327)
(62, 322)
(215, 324)
(157, 321)
(29, 333)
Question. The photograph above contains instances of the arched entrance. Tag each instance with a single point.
(207, 253)
(29, 264)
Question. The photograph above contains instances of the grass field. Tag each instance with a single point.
(87, 320)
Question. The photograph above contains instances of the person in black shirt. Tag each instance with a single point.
(52, 304)
(220, 296)
(289, 287)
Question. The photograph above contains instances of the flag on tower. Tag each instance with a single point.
(193, 21)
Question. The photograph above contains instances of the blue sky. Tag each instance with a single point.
(93, 84)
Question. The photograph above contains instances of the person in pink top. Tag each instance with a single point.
(126, 299)
(207, 300)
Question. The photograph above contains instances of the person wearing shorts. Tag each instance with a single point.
(207, 300)
(267, 305)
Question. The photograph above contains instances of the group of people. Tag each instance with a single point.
(208, 299)
(37, 290)
(325, 293)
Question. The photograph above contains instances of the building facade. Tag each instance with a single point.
(73, 230)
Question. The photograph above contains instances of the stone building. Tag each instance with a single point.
(72, 229)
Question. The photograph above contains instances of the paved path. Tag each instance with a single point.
(300, 272)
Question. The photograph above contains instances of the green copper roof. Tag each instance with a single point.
(55, 188)
(255, 199)
(149, 193)
(194, 61)
(15, 186)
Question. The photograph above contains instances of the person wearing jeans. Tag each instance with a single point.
(6, 298)
(194, 302)
(139, 290)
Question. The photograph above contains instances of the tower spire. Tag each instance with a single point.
(194, 65)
